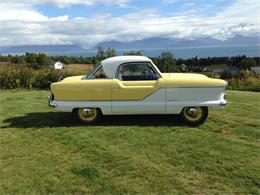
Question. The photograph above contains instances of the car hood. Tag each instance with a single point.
(73, 78)
(182, 75)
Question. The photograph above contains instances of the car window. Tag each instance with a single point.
(98, 73)
(136, 71)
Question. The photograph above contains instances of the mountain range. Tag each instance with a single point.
(172, 43)
(148, 43)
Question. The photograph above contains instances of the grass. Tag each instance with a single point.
(79, 67)
(43, 151)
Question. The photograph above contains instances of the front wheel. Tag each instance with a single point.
(194, 116)
(88, 115)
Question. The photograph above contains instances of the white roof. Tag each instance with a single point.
(110, 65)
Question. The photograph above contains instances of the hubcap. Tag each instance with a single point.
(193, 113)
(87, 114)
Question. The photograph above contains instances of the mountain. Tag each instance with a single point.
(39, 48)
(166, 42)
(149, 43)
(242, 40)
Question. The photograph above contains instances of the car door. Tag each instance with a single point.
(137, 89)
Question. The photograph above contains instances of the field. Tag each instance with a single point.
(43, 151)
(79, 67)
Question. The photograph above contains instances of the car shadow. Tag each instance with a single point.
(63, 119)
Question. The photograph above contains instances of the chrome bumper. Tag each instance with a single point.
(51, 101)
(223, 103)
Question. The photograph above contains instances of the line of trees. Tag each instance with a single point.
(166, 61)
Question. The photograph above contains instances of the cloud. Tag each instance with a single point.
(118, 3)
(26, 26)
(170, 1)
(19, 12)
(68, 3)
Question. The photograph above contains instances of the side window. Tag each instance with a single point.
(136, 71)
(97, 74)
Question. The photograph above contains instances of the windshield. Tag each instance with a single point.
(97, 73)
(92, 71)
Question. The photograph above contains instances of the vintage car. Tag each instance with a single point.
(133, 85)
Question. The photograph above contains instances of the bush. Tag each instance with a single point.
(249, 84)
(18, 76)
(8, 78)
(14, 76)
(210, 74)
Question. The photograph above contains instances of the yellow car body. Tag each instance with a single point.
(73, 88)
(161, 93)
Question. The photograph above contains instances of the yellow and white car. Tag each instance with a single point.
(128, 85)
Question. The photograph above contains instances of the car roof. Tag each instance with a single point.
(110, 65)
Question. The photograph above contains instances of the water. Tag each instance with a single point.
(204, 52)
(181, 52)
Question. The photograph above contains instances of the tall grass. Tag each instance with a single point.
(249, 84)
(17, 76)
(245, 80)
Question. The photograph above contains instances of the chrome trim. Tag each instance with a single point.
(51, 103)
(193, 111)
(223, 103)
(195, 87)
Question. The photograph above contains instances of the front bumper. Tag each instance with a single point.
(51, 101)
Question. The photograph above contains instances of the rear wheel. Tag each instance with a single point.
(194, 116)
(88, 115)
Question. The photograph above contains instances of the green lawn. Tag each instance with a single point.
(43, 151)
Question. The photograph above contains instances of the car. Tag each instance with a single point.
(133, 85)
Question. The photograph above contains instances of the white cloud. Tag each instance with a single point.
(68, 3)
(19, 12)
(59, 18)
(27, 26)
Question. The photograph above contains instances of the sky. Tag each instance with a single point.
(88, 22)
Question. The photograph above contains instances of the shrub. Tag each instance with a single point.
(250, 83)
(15, 76)
(12, 77)
(18, 76)
(210, 74)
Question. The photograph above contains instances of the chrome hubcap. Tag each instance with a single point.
(87, 114)
(87, 111)
(193, 113)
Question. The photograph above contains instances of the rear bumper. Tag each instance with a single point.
(223, 103)
(219, 104)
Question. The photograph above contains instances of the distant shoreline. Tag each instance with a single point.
(179, 52)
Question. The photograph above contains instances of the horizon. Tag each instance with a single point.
(89, 22)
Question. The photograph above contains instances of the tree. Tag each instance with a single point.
(111, 52)
(43, 60)
(30, 58)
(168, 62)
(18, 60)
(101, 55)
(133, 53)
(247, 63)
